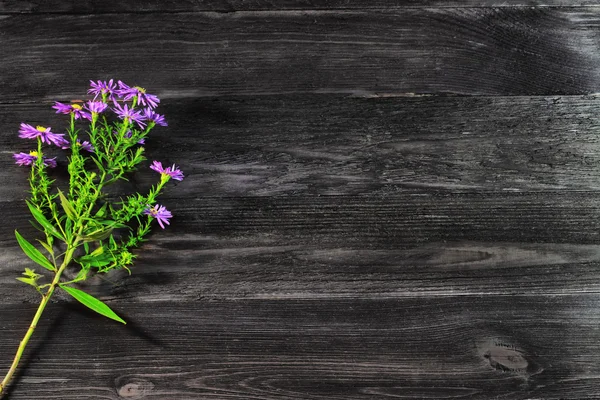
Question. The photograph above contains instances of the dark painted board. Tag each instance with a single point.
(415, 245)
(488, 51)
(470, 347)
(103, 6)
(332, 145)
(286, 197)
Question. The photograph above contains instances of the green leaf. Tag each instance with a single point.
(33, 253)
(66, 205)
(111, 223)
(97, 235)
(81, 275)
(39, 217)
(98, 164)
(30, 278)
(97, 252)
(101, 211)
(96, 260)
(46, 246)
(92, 303)
(28, 281)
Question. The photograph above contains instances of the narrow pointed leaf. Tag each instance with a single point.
(96, 261)
(102, 211)
(97, 235)
(28, 281)
(66, 205)
(92, 303)
(98, 164)
(39, 217)
(33, 253)
(97, 252)
(46, 246)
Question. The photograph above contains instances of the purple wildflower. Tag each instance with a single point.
(30, 159)
(87, 146)
(96, 106)
(103, 89)
(124, 112)
(129, 92)
(150, 115)
(161, 214)
(72, 108)
(172, 171)
(29, 132)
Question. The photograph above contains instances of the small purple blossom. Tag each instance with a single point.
(150, 115)
(29, 132)
(96, 106)
(72, 108)
(124, 112)
(128, 135)
(161, 214)
(103, 89)
(172, 171)
(87, 146)
(31, 158)
(129, 92)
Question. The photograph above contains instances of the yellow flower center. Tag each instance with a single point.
(76, 106)
(33, 153)
(40, 128)
(140, 89)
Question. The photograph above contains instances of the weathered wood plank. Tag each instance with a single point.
(170, 6)
(487, 51)
(414, 245)
(474, 347)
(332, 145)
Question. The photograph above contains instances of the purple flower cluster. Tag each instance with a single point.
(130, 103)
(161, 214)
(109, 91)
(121, 92)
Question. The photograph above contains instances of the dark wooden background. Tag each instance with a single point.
(384, 199)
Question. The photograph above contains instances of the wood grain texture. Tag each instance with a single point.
(417, 245)
(482, 51)
(171, 6)
(350, 225)
(334, 145)
(474, 347)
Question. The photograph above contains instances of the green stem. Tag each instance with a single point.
(46, 297)
(38, 314)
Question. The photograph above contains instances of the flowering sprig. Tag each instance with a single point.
(82, 228)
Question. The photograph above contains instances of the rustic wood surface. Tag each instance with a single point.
(386, 199)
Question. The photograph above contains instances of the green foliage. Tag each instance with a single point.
(46, 225)
(97, 234)
(34, 253)
(30, 278)
(92, 303)
(84, 228)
